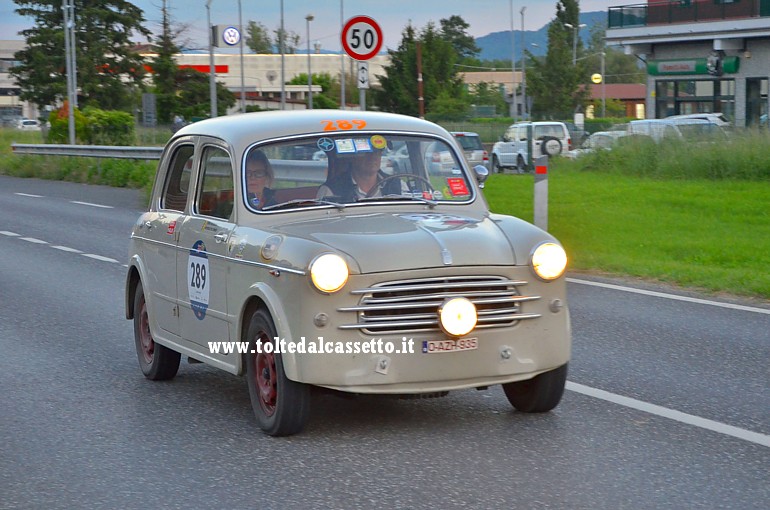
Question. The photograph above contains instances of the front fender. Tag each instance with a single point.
(269, 298)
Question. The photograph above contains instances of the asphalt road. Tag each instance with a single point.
(668, 401)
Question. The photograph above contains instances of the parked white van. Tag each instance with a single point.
(548, 139)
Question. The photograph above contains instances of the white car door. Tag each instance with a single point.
(203, 255)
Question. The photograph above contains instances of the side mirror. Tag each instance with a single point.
(481, 174)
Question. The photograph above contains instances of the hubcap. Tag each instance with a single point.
(145, 337)
(266, 377)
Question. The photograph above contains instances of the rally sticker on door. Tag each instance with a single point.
(198, 279)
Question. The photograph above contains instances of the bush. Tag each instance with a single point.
(59, 130)
(109, 127)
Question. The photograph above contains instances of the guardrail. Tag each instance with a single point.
(89, 151)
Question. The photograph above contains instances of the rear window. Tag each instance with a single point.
(554, 130)
(470, 142)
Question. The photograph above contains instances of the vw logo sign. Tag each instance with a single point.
(231, 36)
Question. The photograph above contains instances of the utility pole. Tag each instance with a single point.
(308, 19)
(68, 10)
(282, 43)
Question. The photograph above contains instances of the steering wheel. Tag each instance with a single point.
(410, 179)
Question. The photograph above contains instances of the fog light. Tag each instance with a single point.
(457, 316)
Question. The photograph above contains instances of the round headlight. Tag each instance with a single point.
(329, 272)
(549, 260)
(457, 316)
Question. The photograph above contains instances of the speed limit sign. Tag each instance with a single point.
(361, 37)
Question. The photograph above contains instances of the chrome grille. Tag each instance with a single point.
(409, 306)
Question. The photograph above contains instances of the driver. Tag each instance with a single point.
(358, 176)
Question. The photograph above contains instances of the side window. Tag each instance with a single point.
(523, 133)
(215, 195)
(177, 185)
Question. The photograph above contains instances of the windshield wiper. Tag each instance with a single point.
(302, 202)
(429, 203)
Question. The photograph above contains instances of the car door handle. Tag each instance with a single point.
(148, 224)
(221, 237)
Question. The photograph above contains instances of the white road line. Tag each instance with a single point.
(91, 205)
(9, 234)
(714, 426)
(66, 248)
(28, 195)
(671, 296)
(33, 240)
(99, 257)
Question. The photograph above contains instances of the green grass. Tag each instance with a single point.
(713, 235)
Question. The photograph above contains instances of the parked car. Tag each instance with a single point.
(474, 151)
(341, 276)
(601, 140)
(693, 130)
(28, 125)
(715, 118)
(548, 139)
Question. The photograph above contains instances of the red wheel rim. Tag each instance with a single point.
(146, 343)
(266, 377)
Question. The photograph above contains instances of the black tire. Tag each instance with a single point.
(539, 394)
(550, 146)
(496, 165)
(281, 406)
(521, 165)
(158, 363)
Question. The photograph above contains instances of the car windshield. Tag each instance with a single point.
(330, 170)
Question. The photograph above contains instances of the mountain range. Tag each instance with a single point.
(497, 45)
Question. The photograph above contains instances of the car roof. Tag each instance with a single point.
(242, 130)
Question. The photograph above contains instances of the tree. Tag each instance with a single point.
(325, 99)
(554, 82)
(194, 98)
(618, 67)
(453, 30)
(290, 41)
(398, 92)
(258, 38)
(489, 94)
(109, 71)
(165, 70)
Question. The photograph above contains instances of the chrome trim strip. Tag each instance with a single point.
(439, 285)
(227, 258)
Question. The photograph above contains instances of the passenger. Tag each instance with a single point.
(259, 178)
(357, 176)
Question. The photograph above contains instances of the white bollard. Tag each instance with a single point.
(541, 192)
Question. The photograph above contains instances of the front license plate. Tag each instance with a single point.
(437, 346)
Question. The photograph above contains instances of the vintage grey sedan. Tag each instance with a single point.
(369, 270)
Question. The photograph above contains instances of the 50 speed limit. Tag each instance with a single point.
(361, 37)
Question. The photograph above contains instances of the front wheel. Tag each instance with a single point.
(158, 363)
(539, 394)
(280, 405)
(521, 165)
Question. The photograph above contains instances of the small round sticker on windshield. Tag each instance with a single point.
(379, 142)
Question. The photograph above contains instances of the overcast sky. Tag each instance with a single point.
(483, 16)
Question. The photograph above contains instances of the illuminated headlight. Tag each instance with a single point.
(329, 272)
(457, 316)
(549, 260)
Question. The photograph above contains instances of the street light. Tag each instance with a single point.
(523, 67)
(513, 68)
(308, 19)
(575, 30)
